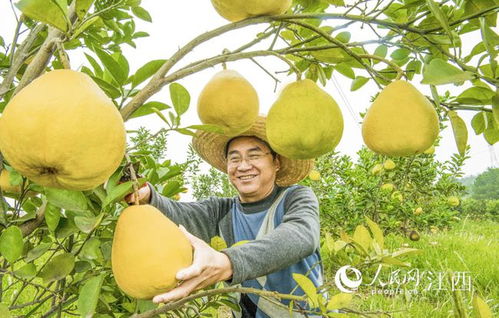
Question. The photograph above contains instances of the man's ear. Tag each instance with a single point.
(277, 162)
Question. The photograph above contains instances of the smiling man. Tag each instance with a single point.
(277, 220)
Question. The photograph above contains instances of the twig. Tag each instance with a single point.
(400, 71)
(179, 303)
(134, 180)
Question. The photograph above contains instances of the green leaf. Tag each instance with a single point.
(37, 251)
(27, 271)
(400, 54)
(4, 311)
(146, 71)
(405, 251)
(495, 107)
(476, 96)
(439, 72)
(491, 135)
(345, 70)
(141, 13)
(208, 127)
(45, 11)
(84, 26)
(362, 237)
(11, 243)
(440, 16)
(308, 287)
(109, 89)
(482, 310)
(112, 66)
(82, 7)
(343, 37)
(393, 261)
(89, 296)
(488, 39)
(338, 301)
(413, 68)
(180, 98)
(376, 231)
(460, 131)
(381, 51)
(358, 82)
(118, 192)
(186, 132)
(65, 228)
(91, 249)
(95, 65)
(67, 199)
(52, 216)
(479, 122)
(58, 268)
(148, 108)
(86, 224)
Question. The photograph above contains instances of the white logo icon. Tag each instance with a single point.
(345, 284)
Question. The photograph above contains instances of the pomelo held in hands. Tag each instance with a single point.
(236, 10)
(304, 122)
(62, 131)
(148, 251)
(400, 122)
(229, 101)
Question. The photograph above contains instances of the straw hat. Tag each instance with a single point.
(211, 147)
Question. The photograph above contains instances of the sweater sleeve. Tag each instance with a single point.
(199, 218)
(297, 237)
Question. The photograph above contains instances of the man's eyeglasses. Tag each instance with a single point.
(236, 160)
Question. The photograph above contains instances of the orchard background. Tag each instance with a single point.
(59, 265)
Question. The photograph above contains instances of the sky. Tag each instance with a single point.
(175, 23)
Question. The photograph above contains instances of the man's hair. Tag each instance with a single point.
(226, 149)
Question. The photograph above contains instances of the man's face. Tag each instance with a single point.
(251, 168)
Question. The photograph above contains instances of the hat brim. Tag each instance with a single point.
(211, 147)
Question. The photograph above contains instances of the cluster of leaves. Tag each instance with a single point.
(349, 191)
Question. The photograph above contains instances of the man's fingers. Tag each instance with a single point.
(180, 292)
(189, 272)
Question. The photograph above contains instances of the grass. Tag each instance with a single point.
(471, 247)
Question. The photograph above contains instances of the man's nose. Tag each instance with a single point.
(244, 165)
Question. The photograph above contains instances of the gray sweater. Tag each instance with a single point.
(294, 239)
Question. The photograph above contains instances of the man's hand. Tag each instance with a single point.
(144, 195)
(208, 267)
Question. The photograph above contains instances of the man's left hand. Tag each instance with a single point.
(208, 267)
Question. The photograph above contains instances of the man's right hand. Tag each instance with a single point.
(144, 195)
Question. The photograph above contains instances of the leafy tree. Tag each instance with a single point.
(485, 185)
(59, 242)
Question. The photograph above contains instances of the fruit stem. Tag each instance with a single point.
(397, 68)
(224, 64)
(63, 56)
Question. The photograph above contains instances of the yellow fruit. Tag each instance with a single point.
(314, 175)
(400, 122)
(377, 169)
(235, 10)
(229, 101)
(5, 184)
(453, 201)
(430, 151)
(414, 236)
(388, 187)
(62, 131)
(418, 211)
(304, 122)
(389, 165)
(397, 196)
(148, 251)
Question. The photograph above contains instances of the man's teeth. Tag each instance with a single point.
(246, 177)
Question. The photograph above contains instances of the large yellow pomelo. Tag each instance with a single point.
(235, 10)
(229, 101)
(148, 251)
(304, 122)
(5, 184)
(400, 122)
(62, 131)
